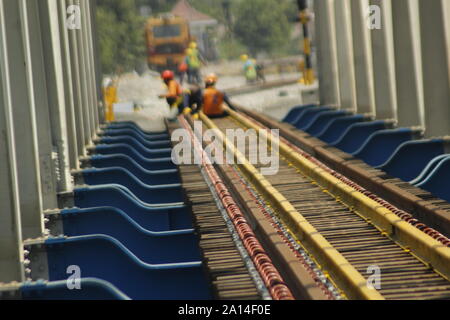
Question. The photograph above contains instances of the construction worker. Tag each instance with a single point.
(213, 99)
(194, 61)
(192, 99)
(249, 68)
(174, 95)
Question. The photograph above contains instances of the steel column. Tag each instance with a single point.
(68, 88)
(435, 39)
(326, 53)
(344, 48)
(42, 113)
(408, 65)
(82, 66)
(77, 88)
(55, 89)
(90, 70)
(384, 63)
(11, 249)
(362, 57)
(21, 91)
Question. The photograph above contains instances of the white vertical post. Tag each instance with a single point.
(362, 57)
(22, 99)
(344, 46)
(11, 249)
(408, 65)
(383, 59)
(55, 89)
(75, 63)
(435, 38)
(38, 87)
(326, 53)
(68, 87)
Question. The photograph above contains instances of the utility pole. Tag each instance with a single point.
(304, 18)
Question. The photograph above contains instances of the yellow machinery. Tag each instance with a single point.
(167, 39)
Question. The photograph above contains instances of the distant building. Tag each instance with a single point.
(202, 27)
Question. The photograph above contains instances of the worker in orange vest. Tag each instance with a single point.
(174, 95)
(213, 99)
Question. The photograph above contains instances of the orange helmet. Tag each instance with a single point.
(167, 75)
(211, 79)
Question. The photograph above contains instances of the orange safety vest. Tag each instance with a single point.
(213, 102)
(174, 88)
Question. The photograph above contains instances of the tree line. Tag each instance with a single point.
(252, 25)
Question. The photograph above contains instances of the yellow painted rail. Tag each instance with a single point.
(346, 277)
(427, 249)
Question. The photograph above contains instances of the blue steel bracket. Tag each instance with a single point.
(89, 289)
(307, 115)
(130, 150)
(399, 164)
(129, 132)
(133, 126)
(321, 120)
(167, 193)
(383, 143)
(155, 247)
(155, 218)
(358, 133)
(148, 164)
(134, 142)
(106, 258)
(169, 176)
(438, 181)
(336, 128)
(295, 111)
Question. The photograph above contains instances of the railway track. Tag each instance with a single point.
(414, 203)
(346, 233)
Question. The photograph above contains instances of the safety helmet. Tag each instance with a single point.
(211, 79)
(244, 57)
(167, 75)
(193, 45)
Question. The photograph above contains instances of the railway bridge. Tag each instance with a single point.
(358, 206)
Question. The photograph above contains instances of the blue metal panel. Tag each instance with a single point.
(153, 247)
(382, 144)
(438, 181)
(151, 218)
(91, 289)
(411, 157)
(132, 133)
(164, 168)
(429, 168)
(134, 126)
(295, 111)
(307, 115)
(138, 145)
(355, 136)
(97, 176)
(336, 128)
(131, 151)
(106, 258)
(321, 120)
(146, 193)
